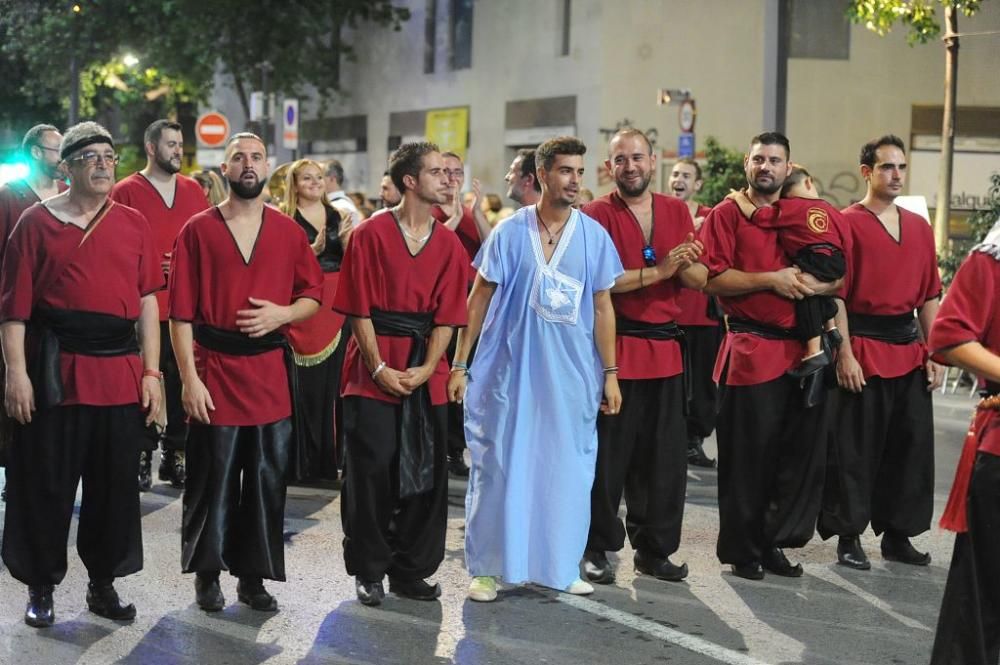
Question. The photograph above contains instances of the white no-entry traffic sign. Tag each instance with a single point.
(212, 129)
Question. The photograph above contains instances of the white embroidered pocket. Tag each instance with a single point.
(556, 297)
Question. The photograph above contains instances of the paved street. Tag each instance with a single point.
(830, 616)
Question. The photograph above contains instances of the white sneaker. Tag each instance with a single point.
(580, 588)
(483, 589)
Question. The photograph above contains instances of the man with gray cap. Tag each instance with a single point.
(77, 292)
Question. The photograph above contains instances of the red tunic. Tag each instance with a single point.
(137, 192)
(733, 241)
(888, 277)
(210, 282)
(380, 273)
(694, 304)
(50, 264)
(803, 222)
(468, 234)
(969, 314)
(16, 197)
(640, 358)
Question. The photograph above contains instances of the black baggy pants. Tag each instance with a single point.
(234, 501)
(968, 631)
(384, 534)
(702, 348)
(881, 459)
(175, 434)
(643, 452)
(48, 458)
(772, 454)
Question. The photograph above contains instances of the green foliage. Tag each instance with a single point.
(980, 222)
(179, 44)
(920, 16)
(722, 172)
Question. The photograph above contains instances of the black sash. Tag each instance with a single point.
(235, 343)
(416, 435)
(662, 331)
(73, 331)
(893, 328)
(760, 329)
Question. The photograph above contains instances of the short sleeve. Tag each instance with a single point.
(150, 271)
(307, 281)
(183, 289)
(357, 275)
(451, 289)
(605, 264)
(489, 260)
(718, 236)
(17, 280)
(967, 311)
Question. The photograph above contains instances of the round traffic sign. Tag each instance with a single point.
(212, 129)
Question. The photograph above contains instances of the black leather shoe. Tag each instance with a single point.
(369, 593)
(697, 456)
(898, 548)
(250, 591)
(660, 568)
(775, 561)
(415, 590)
(834, 338)
(207, 593)
(597, 568)
(172, 468)
(145, 470)
(102, 599)
(457, 466)
(40, 612)
(750, 570)
(850, 554)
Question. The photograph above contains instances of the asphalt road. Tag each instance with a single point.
(832, 615)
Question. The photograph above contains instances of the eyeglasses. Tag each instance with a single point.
(92, 158)
(45, 147)
(454, 173)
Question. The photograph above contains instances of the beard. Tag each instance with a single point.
(638, 189)
(245, 191)
(767, 188)
(167, 165)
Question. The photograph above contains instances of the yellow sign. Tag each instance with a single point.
(449, 129)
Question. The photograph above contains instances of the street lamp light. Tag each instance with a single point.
(672, 96)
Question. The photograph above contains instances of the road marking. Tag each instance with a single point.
(675, 637)
(823, 572)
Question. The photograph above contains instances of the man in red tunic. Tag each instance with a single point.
(966, 334)
(77, 286)
(403, 285)
(699, 319)
(881, 467)
(772, 448)
(471, 227)
(168, 200)
(239, 274)
(40, 146)
(642, 452)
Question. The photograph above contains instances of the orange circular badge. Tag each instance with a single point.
(817, 220)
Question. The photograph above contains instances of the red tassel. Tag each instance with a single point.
(954, 517)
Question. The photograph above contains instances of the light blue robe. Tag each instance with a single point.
(531, 405)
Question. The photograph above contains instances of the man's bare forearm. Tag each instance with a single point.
(734, 282)
(604, 327)
(364, 335)
(148, 328)
(182, 341)
(479, 303)
(12, 333)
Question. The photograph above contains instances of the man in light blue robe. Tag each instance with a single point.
(545, 359)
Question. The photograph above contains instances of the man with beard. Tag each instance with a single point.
(546, 357)
(643, 450)
(882, 460)
(77, 286)
(240, 272)
(522, 180)
(41, 148)
(407, 293)
(772, 448)
(698, 318)
(168, 200)
(389, 194)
